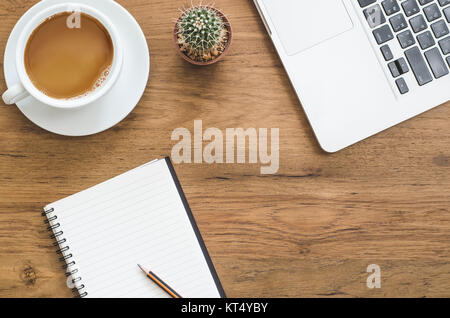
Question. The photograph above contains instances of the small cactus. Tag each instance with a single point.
(202, 33)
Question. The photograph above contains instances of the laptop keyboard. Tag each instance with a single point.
(422, 30)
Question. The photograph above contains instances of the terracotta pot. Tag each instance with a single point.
(217, 59)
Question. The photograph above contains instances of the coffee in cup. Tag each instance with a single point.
(67, 56)
(66, 61)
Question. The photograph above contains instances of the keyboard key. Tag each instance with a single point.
(443, 3)
(383, 34)
(406, 39)
(436, 62)
(365, 3)
(424, 2)
(445, 45)
(390, 6)
(426, 40)
(418, 23)
(394, 69)
(448, 61)
(402, 65)
(447, 14)
(410, 7)
(387, 53)
(418, 65)
(402, 87)
(398, 22)
(432, 12)
(374, 16)
(398, 67)
(440, 28)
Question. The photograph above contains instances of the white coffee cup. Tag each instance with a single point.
(25, 87)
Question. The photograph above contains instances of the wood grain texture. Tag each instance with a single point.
(310, 230)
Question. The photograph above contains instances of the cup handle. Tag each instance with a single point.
(14, 94)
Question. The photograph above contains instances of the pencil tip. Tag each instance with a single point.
(142, 269)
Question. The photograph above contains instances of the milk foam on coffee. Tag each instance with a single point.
(64, 62)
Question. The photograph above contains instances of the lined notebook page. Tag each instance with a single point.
(135, 218)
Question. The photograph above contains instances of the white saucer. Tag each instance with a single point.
(111, 108)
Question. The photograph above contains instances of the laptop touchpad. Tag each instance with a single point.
(303, 24)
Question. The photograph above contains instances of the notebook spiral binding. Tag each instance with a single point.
(66, 258)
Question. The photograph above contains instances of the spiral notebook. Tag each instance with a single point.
(139, 217)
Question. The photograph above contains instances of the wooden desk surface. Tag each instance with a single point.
(310, 230)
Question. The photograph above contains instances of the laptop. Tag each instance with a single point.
(362, 66)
